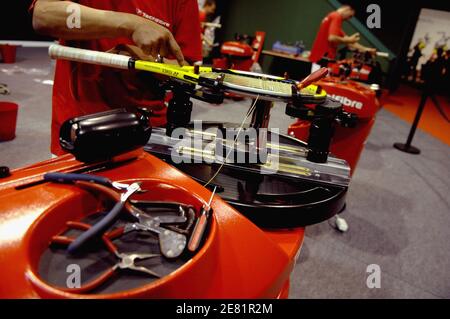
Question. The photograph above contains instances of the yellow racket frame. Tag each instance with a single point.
(187, 74)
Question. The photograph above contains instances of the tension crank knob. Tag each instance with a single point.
(4, 172)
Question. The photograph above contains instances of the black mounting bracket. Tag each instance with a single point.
(180, 106)
(323, 119)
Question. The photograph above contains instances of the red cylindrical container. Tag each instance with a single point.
(8, 53)
(8, 120)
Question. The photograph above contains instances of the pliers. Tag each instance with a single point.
(101, 226)
(126, 261)
(186, 214)
(172, 240)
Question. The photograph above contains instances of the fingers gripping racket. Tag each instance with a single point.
(245, 83)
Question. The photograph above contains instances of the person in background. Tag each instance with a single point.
(208, 11)
(413, 61)
(331, 35)
(139, 28)
(446, 82)
(328, 39)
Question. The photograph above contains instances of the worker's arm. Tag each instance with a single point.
(351, 42)
(50, 18)
(359, 47)
(335, 33)
(347, 40)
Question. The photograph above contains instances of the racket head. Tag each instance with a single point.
(267, 87)
(246, 83)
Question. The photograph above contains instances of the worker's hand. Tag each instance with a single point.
(372, 51)
(131, 51)
(154, 39)
(353, 38)
(137, 53)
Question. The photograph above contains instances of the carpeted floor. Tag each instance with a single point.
(25, 80)
(398, 206)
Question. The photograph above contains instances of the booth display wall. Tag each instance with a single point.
(432, 27)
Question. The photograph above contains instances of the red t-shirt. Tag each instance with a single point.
(331, 25)
(81, 89)
(202, 16)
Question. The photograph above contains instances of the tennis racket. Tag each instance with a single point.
(244, 83)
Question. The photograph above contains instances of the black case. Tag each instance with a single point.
(101, 136)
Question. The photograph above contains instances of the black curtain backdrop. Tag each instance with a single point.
(15, 21)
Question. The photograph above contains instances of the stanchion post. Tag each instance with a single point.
(407, 147)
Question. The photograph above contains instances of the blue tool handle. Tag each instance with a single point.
(69, 178)
(96, 230)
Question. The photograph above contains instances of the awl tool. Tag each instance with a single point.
(200, 226)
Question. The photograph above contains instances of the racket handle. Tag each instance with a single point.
(383, 54)
(118, 61)
(313, 77)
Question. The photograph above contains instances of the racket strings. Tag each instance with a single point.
(249, 112)
(260, 83)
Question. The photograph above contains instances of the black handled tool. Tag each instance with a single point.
(71, 177)
(100, 227)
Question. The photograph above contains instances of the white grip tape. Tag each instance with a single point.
(383, 54)
(57, 51)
